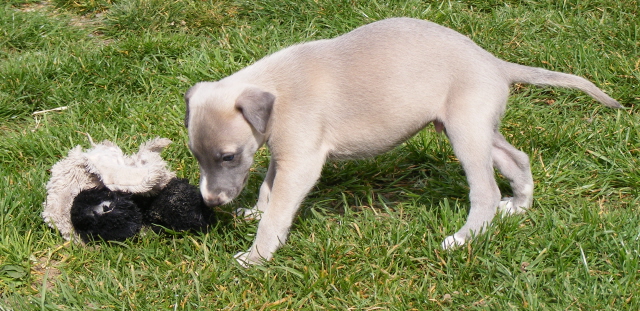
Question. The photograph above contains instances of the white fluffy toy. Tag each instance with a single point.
(103, 166)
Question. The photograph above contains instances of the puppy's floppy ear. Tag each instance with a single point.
(187, 95)
(256, 105)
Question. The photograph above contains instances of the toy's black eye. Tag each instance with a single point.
(228, 158)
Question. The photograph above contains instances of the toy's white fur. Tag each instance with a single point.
(104, 165)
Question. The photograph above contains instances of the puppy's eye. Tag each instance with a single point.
(228, 158)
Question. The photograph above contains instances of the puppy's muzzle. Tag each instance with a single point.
(213, 199)
(214, 195)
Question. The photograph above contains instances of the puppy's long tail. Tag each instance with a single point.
(538, 76)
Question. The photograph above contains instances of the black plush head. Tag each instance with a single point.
(104, 214)
(179, 206)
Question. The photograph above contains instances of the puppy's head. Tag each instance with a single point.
(227, 123)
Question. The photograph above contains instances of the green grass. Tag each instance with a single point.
(368, 236)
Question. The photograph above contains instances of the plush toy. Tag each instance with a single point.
(104, 194)
(100, 213)
(179, 206)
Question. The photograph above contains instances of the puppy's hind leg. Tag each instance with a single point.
(472, 142)
(514, 165)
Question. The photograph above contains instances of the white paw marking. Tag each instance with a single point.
(246, 259)
(507, 208)
(452, 242)
(242, 259)
(249, 213)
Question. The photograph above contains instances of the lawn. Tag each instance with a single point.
(368, 236)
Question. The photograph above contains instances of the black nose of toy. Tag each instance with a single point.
(103, 208)
(107, 207)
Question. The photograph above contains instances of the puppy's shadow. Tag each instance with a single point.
(401, 175)
(423, 170)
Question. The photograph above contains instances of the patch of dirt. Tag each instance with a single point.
(42, 267)
(90, 22)
(37, 6)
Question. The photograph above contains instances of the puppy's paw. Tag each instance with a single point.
(452, 242)
(246, 259)
(241, 258)
(248, 213)
(506, 207)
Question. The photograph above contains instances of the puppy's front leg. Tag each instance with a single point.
(263, 197)
(293, 179)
